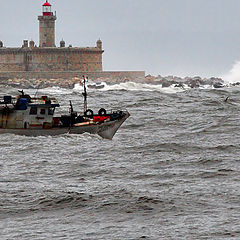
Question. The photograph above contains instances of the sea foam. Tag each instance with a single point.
(234, 74)
(129, 86)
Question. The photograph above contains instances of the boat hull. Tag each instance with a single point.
(106, 129)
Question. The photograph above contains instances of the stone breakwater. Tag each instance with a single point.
(67, 78)
(38, 83)
(192, 82)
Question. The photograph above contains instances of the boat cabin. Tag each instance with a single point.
(26, 112)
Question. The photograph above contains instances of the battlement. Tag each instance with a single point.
(5, 50)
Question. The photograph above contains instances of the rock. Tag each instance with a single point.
(218, 85)
(166, 83)
(179, 85)
(194, 84)
(236, 84)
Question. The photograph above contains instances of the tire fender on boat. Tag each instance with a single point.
(89, 113)
(102, 112)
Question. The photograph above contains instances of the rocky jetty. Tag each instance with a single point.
(38, 83)
(191, 82)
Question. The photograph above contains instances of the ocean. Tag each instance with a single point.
(170, 172)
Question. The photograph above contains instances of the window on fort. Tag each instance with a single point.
(42, 111)
(33, 111)
(51, 111)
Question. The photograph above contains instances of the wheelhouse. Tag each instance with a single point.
(27, 112)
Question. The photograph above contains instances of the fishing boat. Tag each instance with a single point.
(35, 116)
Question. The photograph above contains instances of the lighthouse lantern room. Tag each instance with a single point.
(47, 9)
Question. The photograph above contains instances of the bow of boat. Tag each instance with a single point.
(108, 130)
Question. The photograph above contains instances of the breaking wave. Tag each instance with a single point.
(129, 86)
(234, 74)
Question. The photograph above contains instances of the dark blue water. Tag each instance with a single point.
(171, 171)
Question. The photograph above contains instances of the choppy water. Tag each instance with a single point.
(171, 172)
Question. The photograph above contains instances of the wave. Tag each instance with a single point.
(234, 74)
(43, 91)
(164, 85)
(52, 201)
(130, 86)
(54, 90)
(104, 86)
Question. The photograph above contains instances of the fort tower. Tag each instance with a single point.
(47, 26)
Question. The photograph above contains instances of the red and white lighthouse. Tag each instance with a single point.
(47, 26)
(47, 9)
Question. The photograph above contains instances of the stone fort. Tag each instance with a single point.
(48, 61)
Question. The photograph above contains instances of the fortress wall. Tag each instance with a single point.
(70, 75)
(12, 61)
(52, 59)
(65, 61)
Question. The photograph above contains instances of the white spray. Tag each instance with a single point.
(234, 75)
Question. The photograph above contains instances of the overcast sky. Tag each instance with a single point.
(166, 37)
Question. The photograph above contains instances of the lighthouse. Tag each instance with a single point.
(47, 26)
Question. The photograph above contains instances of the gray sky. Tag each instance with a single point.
(166, 37)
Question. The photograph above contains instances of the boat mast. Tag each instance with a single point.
(84, 94)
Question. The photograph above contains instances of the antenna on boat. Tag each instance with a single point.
(35, 95)
(71, 107)
(85, 94)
